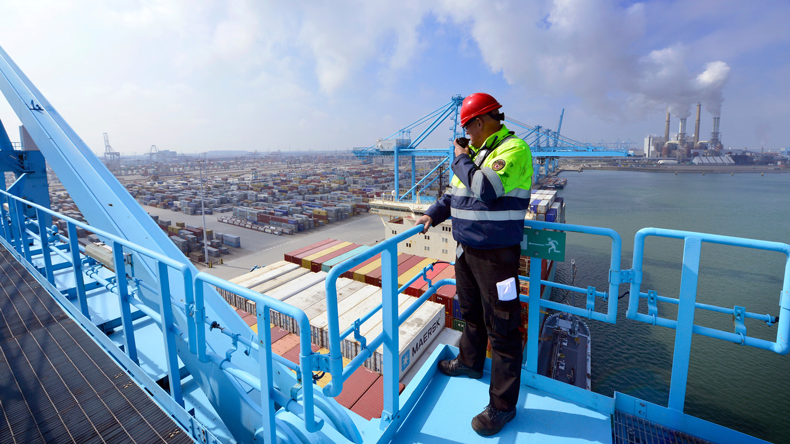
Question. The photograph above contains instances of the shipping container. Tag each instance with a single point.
(316, 264)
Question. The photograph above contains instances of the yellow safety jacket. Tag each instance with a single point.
(490, 193)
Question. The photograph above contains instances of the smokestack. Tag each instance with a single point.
(666, 129)
(696, 125)
(682, 132)
(715, 136)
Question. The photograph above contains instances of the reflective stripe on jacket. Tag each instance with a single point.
(490, 196)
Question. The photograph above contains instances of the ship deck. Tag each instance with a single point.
(57, 384)
(448, 405)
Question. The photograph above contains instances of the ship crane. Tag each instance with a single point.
(547, 147)
(112, 158)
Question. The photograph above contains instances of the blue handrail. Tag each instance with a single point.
(17, 230)
(615, 275)
(264, 382)
(687, 304)
(390, 322)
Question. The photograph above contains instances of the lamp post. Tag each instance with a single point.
(200, 163)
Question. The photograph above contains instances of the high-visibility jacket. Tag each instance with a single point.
(490, 193)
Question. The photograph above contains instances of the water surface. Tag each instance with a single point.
(741, 387)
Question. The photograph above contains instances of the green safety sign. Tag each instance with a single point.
(543, 244)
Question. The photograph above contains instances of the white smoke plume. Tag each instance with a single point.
(710, 83)
(666, 80)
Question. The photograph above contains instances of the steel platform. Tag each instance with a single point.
(57, 384)
(447, 406)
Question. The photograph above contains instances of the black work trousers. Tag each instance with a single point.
(477, 272)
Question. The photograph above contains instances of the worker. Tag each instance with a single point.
(488, 202)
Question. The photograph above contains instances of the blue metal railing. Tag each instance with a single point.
(684, 324)
(264, 382)
(687, 304)
(18, 231)
(391, 320)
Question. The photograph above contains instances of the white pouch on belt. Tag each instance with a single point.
(507, 289)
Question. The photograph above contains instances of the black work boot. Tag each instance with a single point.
(456, 368)
(491, 421)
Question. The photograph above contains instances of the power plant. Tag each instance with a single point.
(684, 147)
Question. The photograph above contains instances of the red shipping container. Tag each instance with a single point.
(374, 276)
(405, 266)
(447, 291)
(277, 333)
(263, 218)
(355, 386)
(447, 273)
(285, 344)
(198, 232)
(415, 289)
(350, 273)
(293, 354)
(318, 249)
(371, 403)
(290, 257)
(447, 302)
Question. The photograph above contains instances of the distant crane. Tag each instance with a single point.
(112, 158)
(559, 127)
(154, 157)
(153, 154)
(547, 147)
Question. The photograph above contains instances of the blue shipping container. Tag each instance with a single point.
(456, 308)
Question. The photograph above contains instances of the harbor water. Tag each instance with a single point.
(739, 387)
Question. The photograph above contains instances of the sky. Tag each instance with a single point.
(194, 76)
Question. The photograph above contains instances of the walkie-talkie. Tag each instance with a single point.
(463, 141)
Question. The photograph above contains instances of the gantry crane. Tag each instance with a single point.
(547, 147)
(112, 158)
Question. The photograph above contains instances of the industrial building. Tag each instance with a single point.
(684, 147)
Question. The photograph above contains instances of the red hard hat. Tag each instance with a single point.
(477, 104)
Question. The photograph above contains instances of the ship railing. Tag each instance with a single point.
(20, 231)
(264, 380)
(616, 276)
(391, 321)
(16, 230)
(686, 303)
(536, 305)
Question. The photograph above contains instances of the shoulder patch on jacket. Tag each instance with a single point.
(498, 164)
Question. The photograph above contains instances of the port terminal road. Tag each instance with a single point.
(259, 248)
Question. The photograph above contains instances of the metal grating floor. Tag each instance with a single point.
(629, 429)
(57, 384)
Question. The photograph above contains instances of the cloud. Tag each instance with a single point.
(590, 49)
(344, 37)
(263, 67)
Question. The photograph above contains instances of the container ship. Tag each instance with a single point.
(130, 342)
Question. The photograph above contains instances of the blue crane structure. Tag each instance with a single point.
(220, 382)
(547, 147)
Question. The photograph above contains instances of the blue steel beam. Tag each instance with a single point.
(109, 207)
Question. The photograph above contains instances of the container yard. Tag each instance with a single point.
(242, 203)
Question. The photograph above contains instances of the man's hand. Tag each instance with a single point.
(459, 149)
(425, 221)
